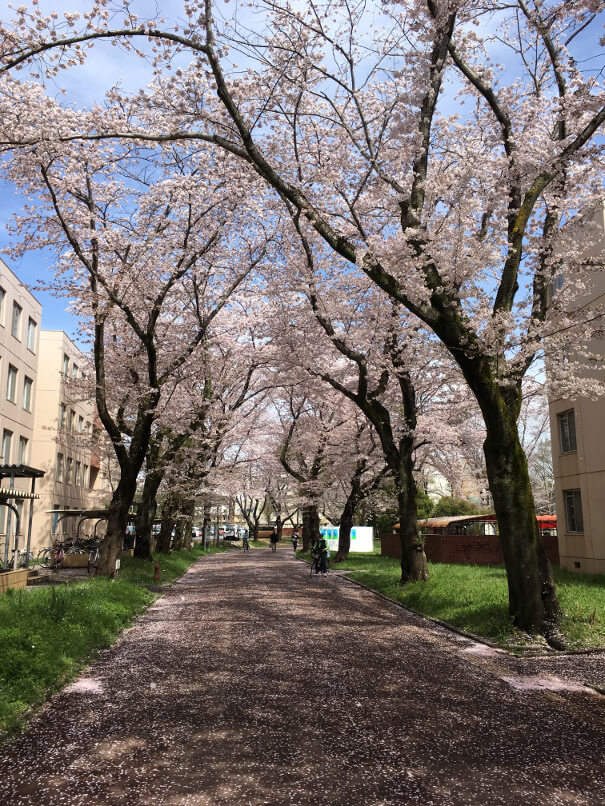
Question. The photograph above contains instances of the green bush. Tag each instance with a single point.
(455, 506)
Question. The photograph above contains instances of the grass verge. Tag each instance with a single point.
(172, 566)
(48, 634)
(475, 598)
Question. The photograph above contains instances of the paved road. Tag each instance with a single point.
(249, 683)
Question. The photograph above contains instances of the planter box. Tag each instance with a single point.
(75, 561)
(13, 579)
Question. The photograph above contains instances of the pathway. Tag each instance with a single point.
(250, 683)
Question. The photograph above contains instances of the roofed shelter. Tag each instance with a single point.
(10, 494)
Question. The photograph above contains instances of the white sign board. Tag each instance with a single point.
(362, 537)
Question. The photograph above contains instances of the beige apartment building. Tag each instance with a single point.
(578, 448)
(20, 316)
(63, 440)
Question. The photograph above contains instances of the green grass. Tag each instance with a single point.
(172, 565)
(475, 598)
(48, 634)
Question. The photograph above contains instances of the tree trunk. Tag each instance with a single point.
(179, 533)
(189, 510)
(117, 522)
(168, 523)
(310, 530)
(414, 566)
(206, 527)
(346, 522)
(532, 599)
(146, 516)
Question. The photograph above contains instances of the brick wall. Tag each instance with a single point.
(464, 549)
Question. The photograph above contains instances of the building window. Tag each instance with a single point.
(573, 510)
(59, 472)
(27, 393)
(55, 518)
(16, 320)
(7, 439)
(80, 423)
(65, 365)
(72, 420)
(11, 384)
(32, 329)
(23, 448)
(62, 413)
(78, 478)
(567, 431)
(85, 477)
(68, 471)
(74, 372)
(2, 307)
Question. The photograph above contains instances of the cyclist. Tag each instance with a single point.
(319, 553)
(245, 542)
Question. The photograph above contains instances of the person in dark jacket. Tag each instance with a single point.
(319, 553)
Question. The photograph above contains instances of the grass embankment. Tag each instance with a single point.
(475, 598)
(172, 566)
(48, 634)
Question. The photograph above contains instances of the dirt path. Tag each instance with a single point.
(249, 683)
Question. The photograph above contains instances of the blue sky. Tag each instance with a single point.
(107, 66)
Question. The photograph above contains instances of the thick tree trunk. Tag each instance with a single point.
(346, 524)
(168, 524)
(310, 530)
(146, 515)
(532, 598)
(179, 534)
(414, 566)
(117, 522)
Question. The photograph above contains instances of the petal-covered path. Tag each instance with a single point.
(250, 683)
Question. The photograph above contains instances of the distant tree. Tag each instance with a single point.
(455, 506)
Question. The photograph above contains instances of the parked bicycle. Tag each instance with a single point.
(22, 559)
(94, 554)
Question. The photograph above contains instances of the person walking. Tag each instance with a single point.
(319, 553)
(273, 539)
(294, 541)
(245, 542)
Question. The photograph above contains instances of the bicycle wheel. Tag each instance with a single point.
(25, 559)
(93, 560)
(45, 557)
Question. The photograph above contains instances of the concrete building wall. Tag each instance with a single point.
(62, 443)
(579, 458)
(20, 317)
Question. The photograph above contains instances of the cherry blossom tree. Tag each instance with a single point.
(151, 262)
(307, 426)
(447, 179)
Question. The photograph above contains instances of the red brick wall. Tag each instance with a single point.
(464, 549)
